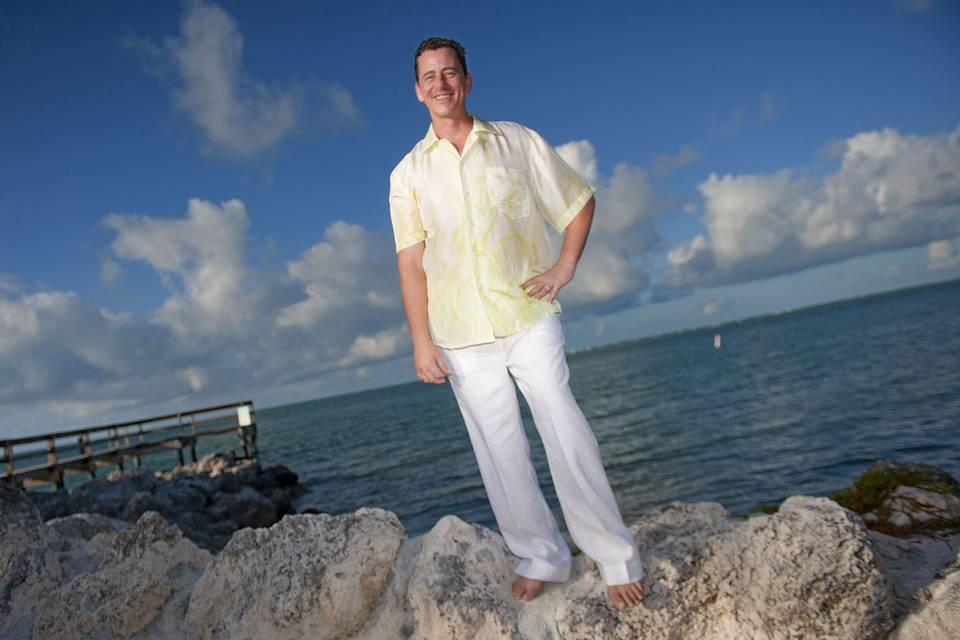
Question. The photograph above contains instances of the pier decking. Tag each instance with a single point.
(49, 457)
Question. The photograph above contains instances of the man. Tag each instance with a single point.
(479, 287)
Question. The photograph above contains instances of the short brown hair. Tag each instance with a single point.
(434, 43)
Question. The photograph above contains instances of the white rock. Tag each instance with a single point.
(939, 618)
(943, 505)
(28, 568)
(461, 585)
(807, 571)
(309, 575)
(136, 572)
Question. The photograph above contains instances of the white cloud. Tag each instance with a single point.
(205, 252)
(622, 234)
(580, 155)
(379, 346)
(943, 254)
(238, 115)
(352, 268)
(891, 191)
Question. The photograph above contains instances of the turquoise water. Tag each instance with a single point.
(798, 403)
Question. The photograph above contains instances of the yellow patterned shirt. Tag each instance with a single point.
(481, 218)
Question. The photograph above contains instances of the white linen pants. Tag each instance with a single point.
(481, 382)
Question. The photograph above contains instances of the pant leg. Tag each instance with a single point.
(538, 363)
(488, 401)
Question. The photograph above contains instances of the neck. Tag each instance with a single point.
(453, 128)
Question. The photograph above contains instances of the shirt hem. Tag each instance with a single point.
(551, 311)
(582, 198)
(409, 241)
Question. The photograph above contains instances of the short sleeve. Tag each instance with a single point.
(559, 191)
(404, 213)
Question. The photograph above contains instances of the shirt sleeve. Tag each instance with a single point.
(404, 213)
(558, 191)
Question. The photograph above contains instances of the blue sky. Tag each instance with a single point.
(194, 195)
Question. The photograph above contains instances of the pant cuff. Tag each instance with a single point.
(621, 572)
(540, 570)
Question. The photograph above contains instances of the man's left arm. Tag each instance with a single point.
(547, 285)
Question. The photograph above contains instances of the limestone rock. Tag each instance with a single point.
(135, 573)
(904, 497)
(460, 586)
(26, 566)
(209, 499)
(939, 618)
(247, 508)
(911, 563)
(108, 496)
(52, 504)
(314, 576)
(807, 571)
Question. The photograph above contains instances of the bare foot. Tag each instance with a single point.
(624, 596)
(526, 589)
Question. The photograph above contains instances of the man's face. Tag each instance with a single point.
(442, 85)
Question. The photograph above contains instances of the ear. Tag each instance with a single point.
(416, 88)
(468, 84)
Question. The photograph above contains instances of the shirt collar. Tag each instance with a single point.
(479, 126)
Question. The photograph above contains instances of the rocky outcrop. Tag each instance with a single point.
(309, 575)
(939, 616)
(208, 500)
(461, 584)
(27, 564)
(807, 571)
(810, 570)
(904, 497)
(134, 576)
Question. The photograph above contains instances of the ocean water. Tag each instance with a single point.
(797, 403)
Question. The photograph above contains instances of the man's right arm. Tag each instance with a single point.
(427, 360)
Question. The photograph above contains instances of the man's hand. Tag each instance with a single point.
(548, 284)
(429, 364)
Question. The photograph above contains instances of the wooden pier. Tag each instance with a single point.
(27, 462)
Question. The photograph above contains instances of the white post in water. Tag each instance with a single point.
(716, 341)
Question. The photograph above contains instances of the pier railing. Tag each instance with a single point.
(49, 457)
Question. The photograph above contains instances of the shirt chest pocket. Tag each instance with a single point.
(508, 192)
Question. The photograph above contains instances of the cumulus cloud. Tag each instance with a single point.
(891, 191)
(201, 259)
(622, 234)
(237, 114)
